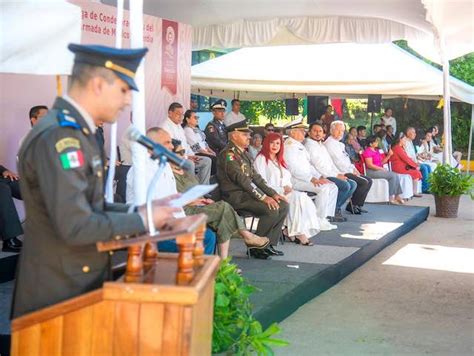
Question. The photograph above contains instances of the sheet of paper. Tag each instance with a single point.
(191, 194)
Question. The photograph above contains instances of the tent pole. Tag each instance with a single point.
(109, 185)
(447, 151)
(139, 154)
(470, 141)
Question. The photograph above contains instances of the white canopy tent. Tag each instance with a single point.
(438, 29)
(341, 69)
(245, 23)
(34, 36)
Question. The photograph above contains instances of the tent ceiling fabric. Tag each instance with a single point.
(345, 69)
(35, 35)
(245, 23)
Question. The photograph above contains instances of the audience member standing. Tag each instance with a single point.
(216, 133)
(336, 149)
(387, 119)
(305, 178)
(172, 125)
(234, 115)
(327, 118)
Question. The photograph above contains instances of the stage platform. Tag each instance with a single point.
(304, 272)
(290, 281)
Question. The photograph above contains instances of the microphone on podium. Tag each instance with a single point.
(157, 149)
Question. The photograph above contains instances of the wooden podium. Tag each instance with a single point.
(163, 305)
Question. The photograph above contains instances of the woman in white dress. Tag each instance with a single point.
(302, 221)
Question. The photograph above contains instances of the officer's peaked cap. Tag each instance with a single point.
(240, 126)
(123, 62)
(219, 104)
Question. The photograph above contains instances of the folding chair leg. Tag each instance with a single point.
(251, 223)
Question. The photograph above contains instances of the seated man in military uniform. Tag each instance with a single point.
(216, 133)
(246, 190)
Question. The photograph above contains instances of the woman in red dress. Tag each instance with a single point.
(403, 164)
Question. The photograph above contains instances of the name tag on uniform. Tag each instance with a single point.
(67, 142)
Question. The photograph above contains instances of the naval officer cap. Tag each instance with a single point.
(219, 104)
(123, 62)
(240, 126)
(295, 124)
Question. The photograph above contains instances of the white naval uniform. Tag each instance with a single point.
(302, 171)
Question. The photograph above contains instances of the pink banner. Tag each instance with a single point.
(169, 55)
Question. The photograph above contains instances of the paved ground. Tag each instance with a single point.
(415, 297)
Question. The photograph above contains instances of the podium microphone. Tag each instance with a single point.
(157, 149)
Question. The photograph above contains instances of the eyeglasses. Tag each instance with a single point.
(180, 152)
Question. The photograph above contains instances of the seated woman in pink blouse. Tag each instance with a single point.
(374, 163)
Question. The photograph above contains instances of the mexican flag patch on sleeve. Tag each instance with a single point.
(73, 159)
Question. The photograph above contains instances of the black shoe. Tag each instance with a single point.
(338, 217)
(17, 241)
(272, 252)
(11, 246)
(362, 210)
(260, 254)
(353, 210)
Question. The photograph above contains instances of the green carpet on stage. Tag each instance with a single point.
(287, 282)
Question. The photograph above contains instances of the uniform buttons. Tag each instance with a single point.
(86, 269)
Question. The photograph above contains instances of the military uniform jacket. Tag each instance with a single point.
(216, 135)
(61, 169)
(237, 177)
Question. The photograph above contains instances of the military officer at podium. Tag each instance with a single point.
(216, 133)
(62, 170)
(244, 189)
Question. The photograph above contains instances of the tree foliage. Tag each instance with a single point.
(261, 112)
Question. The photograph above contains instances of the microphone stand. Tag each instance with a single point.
(155, 155)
